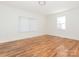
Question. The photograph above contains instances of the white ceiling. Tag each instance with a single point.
(50, 7)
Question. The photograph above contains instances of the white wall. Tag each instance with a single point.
(9, 21)
(72, 24)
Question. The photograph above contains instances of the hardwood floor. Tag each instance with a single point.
(42, 46)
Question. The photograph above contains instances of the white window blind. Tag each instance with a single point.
(61, 22)
(28, 24)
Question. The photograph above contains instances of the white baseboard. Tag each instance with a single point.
(74, 38)
(14, 39)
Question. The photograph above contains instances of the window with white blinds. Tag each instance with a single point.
(28, 24)
(61, 22)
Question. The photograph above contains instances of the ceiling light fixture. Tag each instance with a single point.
(42, 3)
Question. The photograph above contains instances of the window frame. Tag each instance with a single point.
(61, 25)
(30, 25)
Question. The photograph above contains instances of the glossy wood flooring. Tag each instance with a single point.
(42, 46)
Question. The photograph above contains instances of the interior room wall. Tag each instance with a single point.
(9, 23)
(9, 17)
(72, 24)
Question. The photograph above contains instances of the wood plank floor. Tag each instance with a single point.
(42, 46)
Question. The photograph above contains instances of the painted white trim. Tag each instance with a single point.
(65, 36)
(14, 39)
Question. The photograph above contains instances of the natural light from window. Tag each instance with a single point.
(61, 22)
(28, 24)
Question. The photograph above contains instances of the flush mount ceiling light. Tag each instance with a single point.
(42, 3)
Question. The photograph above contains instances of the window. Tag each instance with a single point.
(27, 24)
(61, 22)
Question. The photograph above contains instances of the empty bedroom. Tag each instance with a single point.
(39, 28)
